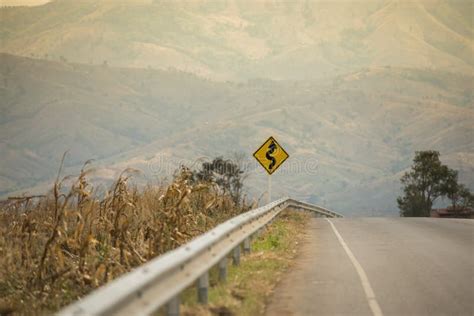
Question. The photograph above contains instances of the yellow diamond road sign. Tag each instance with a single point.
(271, 155)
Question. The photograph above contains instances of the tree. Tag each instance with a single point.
(412, 203)
(451, 187)
(466, 197)
(459, 195)
(428, 180)
(226, 174)
(423, 184)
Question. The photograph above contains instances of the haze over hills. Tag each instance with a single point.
(238, 40)
(349, 139)
(350, 89)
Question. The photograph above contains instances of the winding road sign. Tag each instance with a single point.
(271, 155)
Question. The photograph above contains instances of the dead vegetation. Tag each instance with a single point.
(58, 247)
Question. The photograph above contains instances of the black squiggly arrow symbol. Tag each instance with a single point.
(271, 148)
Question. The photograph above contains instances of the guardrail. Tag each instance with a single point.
(160, 281)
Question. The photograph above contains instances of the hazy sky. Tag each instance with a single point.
(22, 2)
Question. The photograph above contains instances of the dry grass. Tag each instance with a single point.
(58, 247)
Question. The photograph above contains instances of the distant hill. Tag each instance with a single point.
(235, 40)
(350, 88)
(349, 138)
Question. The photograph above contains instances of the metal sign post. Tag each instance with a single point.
(269, 190)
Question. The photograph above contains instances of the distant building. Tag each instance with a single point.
(449, 212)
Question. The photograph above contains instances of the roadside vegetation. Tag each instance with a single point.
(249, 285)
(58, 247)
(429, 180)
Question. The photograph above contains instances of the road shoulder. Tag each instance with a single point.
(322, 280)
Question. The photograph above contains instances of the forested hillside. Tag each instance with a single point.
(349, 138)
(235, 40)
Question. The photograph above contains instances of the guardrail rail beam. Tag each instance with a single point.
(159, 282)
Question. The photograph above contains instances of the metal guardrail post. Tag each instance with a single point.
(172, 308)
(247, 245)
(203, 288)
(236, 256)
(223, 269)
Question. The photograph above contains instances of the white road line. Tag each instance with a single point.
(369, 292)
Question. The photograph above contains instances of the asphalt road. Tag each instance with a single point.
(380, 266)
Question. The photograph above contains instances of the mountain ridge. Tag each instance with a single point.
(230, 41)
